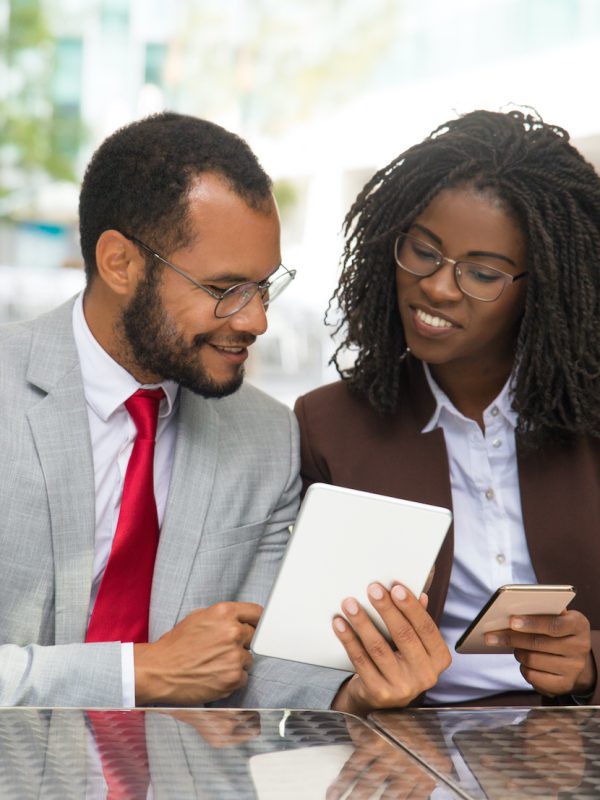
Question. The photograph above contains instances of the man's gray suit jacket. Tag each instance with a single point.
(233, 495)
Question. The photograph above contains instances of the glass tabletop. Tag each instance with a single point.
(495, 753)
(203, 753)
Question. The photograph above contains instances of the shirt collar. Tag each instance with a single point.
(503, 402)
(107, 385)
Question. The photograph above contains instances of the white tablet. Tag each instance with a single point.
(344, 540)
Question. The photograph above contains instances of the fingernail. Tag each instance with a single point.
(399, 592)
(375, 591)
(517, 623)
(350, 606)
(491, 639)
(339, 624)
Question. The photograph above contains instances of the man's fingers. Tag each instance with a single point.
(248, 612)
(248, 632)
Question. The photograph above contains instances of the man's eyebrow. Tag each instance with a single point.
(225, 277)
(475, 253)
(235, 277)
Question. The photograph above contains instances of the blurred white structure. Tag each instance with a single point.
(402, 69)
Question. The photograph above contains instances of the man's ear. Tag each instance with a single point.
(119, 262)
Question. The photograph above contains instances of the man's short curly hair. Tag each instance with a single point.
(139, 178)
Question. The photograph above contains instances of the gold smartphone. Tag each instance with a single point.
(521, 599)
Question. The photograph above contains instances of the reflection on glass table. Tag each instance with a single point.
(203, 753)
(551, 753)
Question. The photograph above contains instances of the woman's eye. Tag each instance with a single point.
(482, 275)
(424, 253)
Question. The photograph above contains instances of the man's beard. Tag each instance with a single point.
(158, 348)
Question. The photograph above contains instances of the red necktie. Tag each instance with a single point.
(122, 606)
(121, 742)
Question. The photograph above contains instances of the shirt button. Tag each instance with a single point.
(496, 442)
(489, 493)
(501, 558)
(495, 411)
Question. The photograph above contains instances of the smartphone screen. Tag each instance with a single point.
(521, 599)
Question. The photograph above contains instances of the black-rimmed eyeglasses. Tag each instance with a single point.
(475, 280)
(232, 300)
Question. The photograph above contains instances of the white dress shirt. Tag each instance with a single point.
(107, 386)
(490, 548)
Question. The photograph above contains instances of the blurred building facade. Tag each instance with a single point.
(325, 92)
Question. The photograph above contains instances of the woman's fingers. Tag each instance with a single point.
(364, 663)
(389, 673)
(413, 631)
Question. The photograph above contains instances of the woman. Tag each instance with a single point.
(470, 292)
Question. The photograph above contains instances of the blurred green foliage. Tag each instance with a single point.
(38, 139)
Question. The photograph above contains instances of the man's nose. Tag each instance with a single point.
(441, 286)
(252, 318)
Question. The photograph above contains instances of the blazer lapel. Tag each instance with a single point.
(191, 487)
(59, 425)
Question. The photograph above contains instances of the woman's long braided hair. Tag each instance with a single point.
(554, 194)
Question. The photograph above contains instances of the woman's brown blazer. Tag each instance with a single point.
(346, 443)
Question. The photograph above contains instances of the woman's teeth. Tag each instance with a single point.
(436, 322)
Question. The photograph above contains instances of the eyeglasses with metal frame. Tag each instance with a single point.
(236, 297)
(479, 281)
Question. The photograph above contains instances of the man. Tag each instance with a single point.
(121, 415)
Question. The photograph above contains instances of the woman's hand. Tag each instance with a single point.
(554, 651)
(387, 677)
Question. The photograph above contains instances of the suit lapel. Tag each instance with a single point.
(59, 425)
(191, 487)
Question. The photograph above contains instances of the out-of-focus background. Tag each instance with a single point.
(325, 92)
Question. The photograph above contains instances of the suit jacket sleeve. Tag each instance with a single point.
(61, 675)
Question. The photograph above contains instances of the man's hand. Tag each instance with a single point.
(223, 727)
(387, 677)
(204, 657)
(554, 651)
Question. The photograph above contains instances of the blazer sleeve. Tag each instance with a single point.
(313, 469)
(276, 683)
(84, 675)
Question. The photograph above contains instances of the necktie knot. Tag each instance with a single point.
(143, 407)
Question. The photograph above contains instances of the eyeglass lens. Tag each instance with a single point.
(239, 296)
(477, 280)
